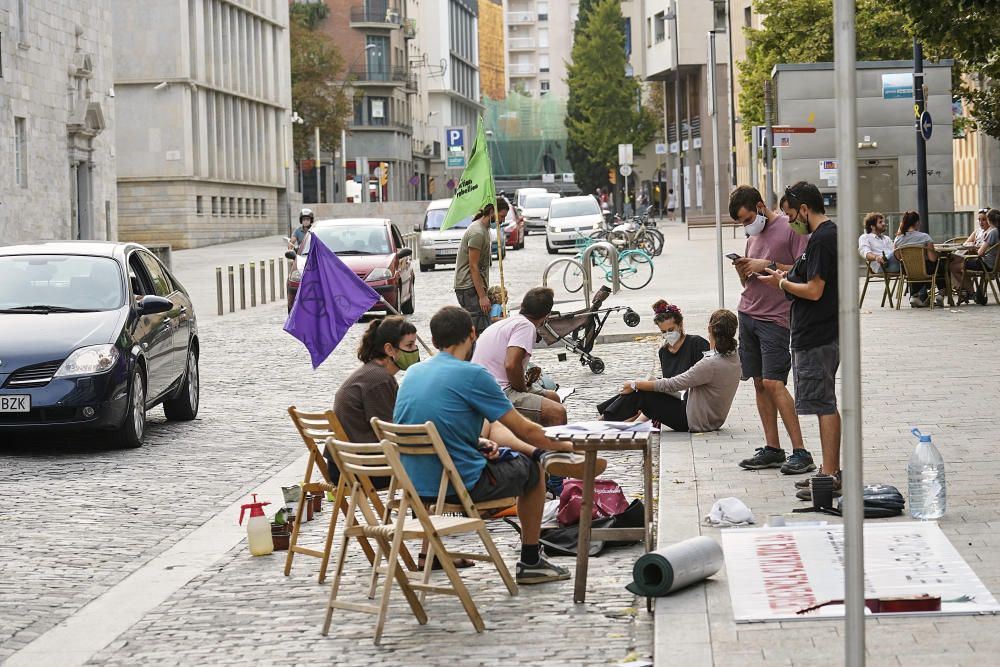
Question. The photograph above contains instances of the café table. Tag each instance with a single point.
(589, 443)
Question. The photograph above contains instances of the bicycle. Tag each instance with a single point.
(635, 267)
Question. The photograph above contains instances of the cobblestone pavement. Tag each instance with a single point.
(81, 517)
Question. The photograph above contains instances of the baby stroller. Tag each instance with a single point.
(578, 330)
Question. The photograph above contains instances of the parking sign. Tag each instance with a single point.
(454, 138)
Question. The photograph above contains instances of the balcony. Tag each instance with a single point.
(522, 69)
(368, 16)
(410, 29)
(521, 18)
(521, 44)
(410, 85)
(381, 125)
(378, 75)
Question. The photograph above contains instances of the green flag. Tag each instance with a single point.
(475, 189)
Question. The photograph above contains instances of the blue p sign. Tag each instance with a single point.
(455, 137)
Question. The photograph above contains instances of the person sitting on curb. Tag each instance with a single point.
(711, 384)
(504, 350)
(680, 351)
(462, 399)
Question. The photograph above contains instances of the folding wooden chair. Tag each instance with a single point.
(913, 260)
(886, 278)
(358, 462)
(315, 428)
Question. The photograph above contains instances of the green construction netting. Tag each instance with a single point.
(528, 135)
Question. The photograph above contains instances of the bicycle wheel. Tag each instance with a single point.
(572, 277)
(657, 238)
(647, 244)
(635, 269)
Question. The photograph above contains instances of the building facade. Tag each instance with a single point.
(492, 50)
(539, 44)
(56, 121)
(203, 89)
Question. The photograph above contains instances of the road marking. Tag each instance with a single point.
(98, 623)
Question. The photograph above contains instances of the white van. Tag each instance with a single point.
(441, 247)
(521, 193)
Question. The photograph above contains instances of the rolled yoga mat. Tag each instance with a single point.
(666, 570)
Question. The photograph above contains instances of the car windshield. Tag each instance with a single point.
(359, 240)
(60, 283)
(568, 209)
(538, 201)
(436, 216)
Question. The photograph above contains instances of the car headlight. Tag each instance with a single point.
(89, 361)
(378, 274)
(295, 276)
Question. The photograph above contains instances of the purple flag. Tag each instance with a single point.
(331, 298)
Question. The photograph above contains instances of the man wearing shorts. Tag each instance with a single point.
(462, 399)
(811, 284)
(764, 328)
(504, 350)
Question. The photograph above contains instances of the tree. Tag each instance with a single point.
(603, 109)
(964, 30)
(801, 31)
(317, 94)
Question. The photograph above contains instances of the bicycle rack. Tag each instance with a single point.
(585, 266)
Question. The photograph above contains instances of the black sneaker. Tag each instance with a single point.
(764, 457)
(540, 572)
(806, 493)
(800, 462)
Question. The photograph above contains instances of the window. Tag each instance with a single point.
(22, 21)
(263, 207)
(659, 27)
(199, 205)
(544, 86)
(377, 113)
(239, 205)
(543, 38)
(160, 282)
(215, 206)
(748, 17)
(222, 206)
(543, 62)
(543, 10)
(255, 206)
(21, 152)
(232, 206)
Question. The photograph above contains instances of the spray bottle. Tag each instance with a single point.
(258, 528)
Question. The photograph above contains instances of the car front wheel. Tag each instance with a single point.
(184, 407)
(133, 428)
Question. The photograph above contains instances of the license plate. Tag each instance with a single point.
(15, 403)
(447, 251)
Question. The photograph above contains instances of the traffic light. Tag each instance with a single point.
(612, 176)
(383, 173)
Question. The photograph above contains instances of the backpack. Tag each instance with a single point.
(609, 501)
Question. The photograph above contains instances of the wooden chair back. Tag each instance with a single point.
(358, 464)
(315, 428)
(914, 262)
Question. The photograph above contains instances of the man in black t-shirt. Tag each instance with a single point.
(811, 284)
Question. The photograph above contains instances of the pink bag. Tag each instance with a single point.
(609, 500)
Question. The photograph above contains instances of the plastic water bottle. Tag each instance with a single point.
(926, 472)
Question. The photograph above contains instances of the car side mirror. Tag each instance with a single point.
(289, 254)
(403, 253)
(416, 228)
(150, 305)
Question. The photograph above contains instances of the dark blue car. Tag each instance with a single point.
(93, 334)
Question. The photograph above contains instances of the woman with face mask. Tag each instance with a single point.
(680, 351)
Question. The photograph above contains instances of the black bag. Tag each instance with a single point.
(619, 407)
(562, 541)
(881, 501)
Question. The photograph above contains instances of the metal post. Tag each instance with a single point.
(253, 284)
(768, 146)
(272, 279)
(319, 182)
(281, 273)
(677, 114)
(665, 175)
(218, 287)
(844, 44)
(713, 109)
(263, 287)
(918, 109)
(754, 176)
(732, 95)
(232, 291)
(243, 291)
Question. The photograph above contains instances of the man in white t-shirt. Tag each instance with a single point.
(504, 349)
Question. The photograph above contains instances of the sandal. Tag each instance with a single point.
(460, 563)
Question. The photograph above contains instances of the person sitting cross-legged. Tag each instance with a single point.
(504, 350)
(462, 399)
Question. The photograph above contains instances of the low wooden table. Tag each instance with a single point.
(589, 444)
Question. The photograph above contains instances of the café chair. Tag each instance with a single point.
(913, 260)
(986, 276)
(888, 286)
(358, 462)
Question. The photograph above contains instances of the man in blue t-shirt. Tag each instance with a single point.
(463, 400)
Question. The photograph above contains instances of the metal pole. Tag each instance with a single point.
(714, 110)
(272, 279)
(844, 44)
(232, 291)
(263, 285)
(665, 175)
(243, 291)
(218, 287)
(754, 176)
(732, 96)
(918, 109)
(768, 145)
(677, 115)
(253, 284)
(319, 181)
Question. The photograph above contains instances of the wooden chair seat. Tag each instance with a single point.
(413, 529)
(913, 260)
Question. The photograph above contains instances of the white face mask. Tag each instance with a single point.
(672, 337)
(755, 227)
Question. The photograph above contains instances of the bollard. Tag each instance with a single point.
(232, 291)
(263, 286)
(253, 284)
(281, 273)
(218, 287)
(243, 287)
(272, 281)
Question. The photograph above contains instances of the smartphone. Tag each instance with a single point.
(733, 256)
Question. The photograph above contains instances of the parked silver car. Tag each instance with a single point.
(441, 247)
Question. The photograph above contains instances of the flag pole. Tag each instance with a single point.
(392, 310)
(501, 247)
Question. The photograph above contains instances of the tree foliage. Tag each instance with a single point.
(964, 30)
(801, 31)
(602, 109)
(317, 94)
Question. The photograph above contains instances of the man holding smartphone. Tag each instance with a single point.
(764, 328)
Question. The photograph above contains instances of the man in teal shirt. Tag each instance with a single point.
(462, 399)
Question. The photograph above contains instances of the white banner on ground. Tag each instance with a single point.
(774, 572)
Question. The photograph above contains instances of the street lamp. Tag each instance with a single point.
(293, 119)
(671, 16)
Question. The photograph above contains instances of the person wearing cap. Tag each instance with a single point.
(306, 219)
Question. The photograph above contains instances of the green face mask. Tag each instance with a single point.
(799, 226)
(406, 358)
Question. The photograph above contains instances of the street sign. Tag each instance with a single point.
(361, 166)
(624, 153)
(548, 178)
(793, 130)
(926, 126)
(569, 177)
(661, 149)
(626, 170)
(454, 139)
(897, 86)
(456, 162)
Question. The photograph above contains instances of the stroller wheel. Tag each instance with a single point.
(631, 318)
(596, 366)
